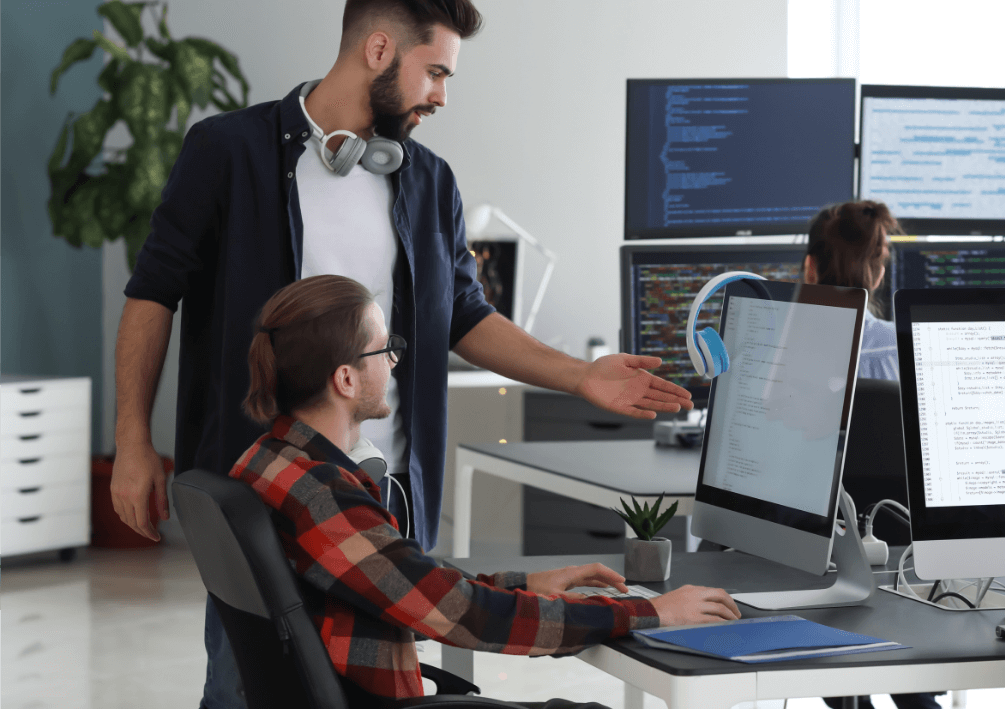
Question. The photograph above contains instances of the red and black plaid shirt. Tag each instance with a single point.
(379, 588)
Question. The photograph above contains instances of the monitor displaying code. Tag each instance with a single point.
(726, 157)
(662, 284)
(960, 370)
(935, 156)
(948, 265)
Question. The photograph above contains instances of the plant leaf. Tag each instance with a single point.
(656, 507)
(78, 51)
(144, 100)
(638, 510)
(59, 151)
(162, 26)
(125, 18)
(145, 176)
(161, 50)
(112, 48)
(212, 50)
(195, 72)
(109, 75)
(89, 132)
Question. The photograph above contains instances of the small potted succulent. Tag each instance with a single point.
(647, 558)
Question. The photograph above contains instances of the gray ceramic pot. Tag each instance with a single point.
(647, 560)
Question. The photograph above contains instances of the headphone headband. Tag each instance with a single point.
(696, 346)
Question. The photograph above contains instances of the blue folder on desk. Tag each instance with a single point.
(771, 639)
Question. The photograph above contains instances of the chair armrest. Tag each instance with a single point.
(447, 682)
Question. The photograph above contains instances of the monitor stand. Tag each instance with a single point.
(854, 583)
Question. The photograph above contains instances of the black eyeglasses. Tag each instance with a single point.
(395, 346)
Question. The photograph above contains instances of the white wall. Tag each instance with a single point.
(535, 121)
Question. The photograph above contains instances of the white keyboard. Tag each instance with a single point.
(611, 592)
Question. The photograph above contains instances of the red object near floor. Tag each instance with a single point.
(107, 530)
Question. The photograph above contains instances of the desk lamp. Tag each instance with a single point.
(478, 219)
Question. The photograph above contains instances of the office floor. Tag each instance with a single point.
(117, 629)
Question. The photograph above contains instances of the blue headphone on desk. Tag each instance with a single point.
(708, 353)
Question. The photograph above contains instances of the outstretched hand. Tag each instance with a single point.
(620, 383)
(559, 581)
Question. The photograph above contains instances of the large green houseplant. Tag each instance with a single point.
(151, 84)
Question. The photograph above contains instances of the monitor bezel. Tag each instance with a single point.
(699, 394)
(942, 523)
(773, 513)
(794, 227)
(918, 225)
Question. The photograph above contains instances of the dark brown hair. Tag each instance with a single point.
(304, 333)
(416, 17)
(848, 242)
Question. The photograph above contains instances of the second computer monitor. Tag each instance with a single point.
(720, 157)
(936, 156)
(659, 283)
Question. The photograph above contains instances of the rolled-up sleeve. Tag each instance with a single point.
(470, 307)
(184, 224)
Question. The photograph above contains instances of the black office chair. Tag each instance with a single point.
(875, 467)
(280, 656)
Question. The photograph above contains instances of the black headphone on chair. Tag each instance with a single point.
(378, 155)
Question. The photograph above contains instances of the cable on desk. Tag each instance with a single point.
(953, 594)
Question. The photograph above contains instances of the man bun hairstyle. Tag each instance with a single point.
(849, 244)
(304, 333)
(416, 18)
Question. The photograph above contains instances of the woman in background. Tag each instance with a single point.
(849, 245)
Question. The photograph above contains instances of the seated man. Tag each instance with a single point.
(320, 365)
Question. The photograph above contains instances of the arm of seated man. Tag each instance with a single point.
(371, 566)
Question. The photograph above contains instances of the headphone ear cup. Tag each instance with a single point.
(714, 352)
(347, 155)
(382, 155)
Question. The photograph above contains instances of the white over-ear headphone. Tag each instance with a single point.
(708, 353)
(378, 155)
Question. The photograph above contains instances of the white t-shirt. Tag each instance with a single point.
(348, 231)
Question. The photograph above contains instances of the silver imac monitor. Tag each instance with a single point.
(773, 451)
(951, 347)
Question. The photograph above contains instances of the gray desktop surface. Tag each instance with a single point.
(632, 467)
(934, 636)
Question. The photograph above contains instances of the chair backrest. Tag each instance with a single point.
(875, 467)
(279, 652)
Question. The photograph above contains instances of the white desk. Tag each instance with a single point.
(948, 651)
(598, 472)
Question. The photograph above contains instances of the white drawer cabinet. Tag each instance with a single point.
(45, 464)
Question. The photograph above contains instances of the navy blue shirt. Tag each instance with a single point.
(229, 234)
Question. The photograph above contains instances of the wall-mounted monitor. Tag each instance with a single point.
(722, 157)
(659, 283)
(935, 156)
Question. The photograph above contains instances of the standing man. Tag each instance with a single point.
(264, 196)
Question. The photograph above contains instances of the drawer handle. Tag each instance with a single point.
(31, 437)
(29, 520)
(32, 390)
(604, 535)
(29, 490)
(29, 461)
(606, 425)
(29, 414)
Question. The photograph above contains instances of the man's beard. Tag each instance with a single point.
(373, 404)
(386, 102)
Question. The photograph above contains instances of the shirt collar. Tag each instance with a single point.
(314, 444)
(293, 124)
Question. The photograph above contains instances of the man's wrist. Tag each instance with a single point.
(133, 437)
